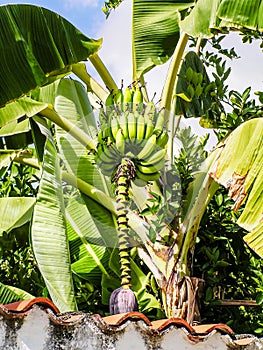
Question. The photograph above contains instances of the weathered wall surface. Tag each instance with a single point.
(39, 328)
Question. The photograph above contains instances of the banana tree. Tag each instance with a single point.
(66, 105)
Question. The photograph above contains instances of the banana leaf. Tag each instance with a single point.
(48, 233)
(23, 108)
(15, 127)
(15, 212)
(239, 168)
(39, 46)
(246, 13)
(72, 103)
(155, 32)
(211, 16)
(89, 249)
(202, 19)
(6, 156)
(9, 294)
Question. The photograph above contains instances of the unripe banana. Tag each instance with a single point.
(150, 109)
(106, 132)
(120, 142)
(109, 103)
(149, 126)
(150, 169)
(119, 100)
(123, 124)
(107, 169)
(147, 177)
(103, 118)
(107, 156)
(138, 99)
(160, 121)
(148, 148)
(162, 139)
(127, 99)
(155, 158)
(114, 125)
(132, 124)
(140, 127)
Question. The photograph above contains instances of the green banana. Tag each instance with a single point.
(114, 126)
(120, 142)
(147, 177)
(107, 155)
(140, 127)
(160, 120)
(109, 103)
(137, 99)
(119, 100)
(123, 124)
(100, 137)
(148, 148)
(132, 125)
(127, 99)
(150, 169)
(107, 169)
(162, 139)
(155, 158)
(149, 126)
(150, 109)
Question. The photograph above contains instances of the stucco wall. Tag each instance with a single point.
(41, 329)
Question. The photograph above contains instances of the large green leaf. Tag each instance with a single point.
(6, 156)
(15, 127)
(155, 32)
(239, 168)
(88, 247)
(20, 109)
(38, 45)
(246, 13)
(73, 104)
(201, 19)
(9, 294)
(48, 234)
(15, 212)
(209, 16)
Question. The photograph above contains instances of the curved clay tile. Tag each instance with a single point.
(25, 305)
(119, 319)
(205, 329)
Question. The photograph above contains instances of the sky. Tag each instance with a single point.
(88, 17)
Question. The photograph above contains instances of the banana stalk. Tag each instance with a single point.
(123, 299)
(124, 174)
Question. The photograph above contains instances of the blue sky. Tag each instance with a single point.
(86, 15)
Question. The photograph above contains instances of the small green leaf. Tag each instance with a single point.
(259, 298)
(184, 97)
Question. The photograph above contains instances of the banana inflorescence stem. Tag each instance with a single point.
(123, 176)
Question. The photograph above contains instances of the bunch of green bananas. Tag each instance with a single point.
(132, 129)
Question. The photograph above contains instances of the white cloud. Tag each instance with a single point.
(116, 54)
(83, 3)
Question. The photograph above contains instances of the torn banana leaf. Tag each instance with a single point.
(239, 168)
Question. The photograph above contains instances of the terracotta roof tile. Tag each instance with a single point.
(117, 322)
(26, 305)
(178, 322)
(205, 329)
